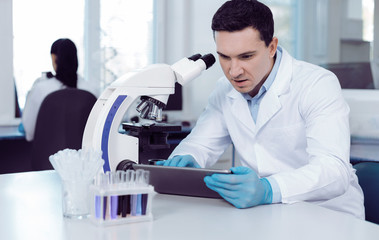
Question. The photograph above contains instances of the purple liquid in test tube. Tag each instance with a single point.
(114, 207)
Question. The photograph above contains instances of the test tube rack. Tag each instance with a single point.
(121, 197)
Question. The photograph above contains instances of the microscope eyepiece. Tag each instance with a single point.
(195, 57)
(209, 60)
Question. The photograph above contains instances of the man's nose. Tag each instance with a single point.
(235, 69)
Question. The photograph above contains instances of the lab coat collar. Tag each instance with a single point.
(284, 74)
(270, 103)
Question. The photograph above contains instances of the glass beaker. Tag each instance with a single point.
(75, 199)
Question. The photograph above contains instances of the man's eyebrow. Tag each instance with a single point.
(247, 53)
(221, 54)
(239, 55)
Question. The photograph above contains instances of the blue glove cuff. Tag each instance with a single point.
(268, 191)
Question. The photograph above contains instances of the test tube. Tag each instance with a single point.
(97, 183)
(139, 177)
(113, 180)
(106, 201)
(120, 175)
(133, 197)
(138, 199)
(129, 178)
(145, 179)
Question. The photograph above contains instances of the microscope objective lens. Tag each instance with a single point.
(145, 111)
(141, 106)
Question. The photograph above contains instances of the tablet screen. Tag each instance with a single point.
(181, 180)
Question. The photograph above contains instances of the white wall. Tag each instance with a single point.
(376, 31)
(7, 107)
(321, 30)
(92, 57)
(188, 31)
(375, 62)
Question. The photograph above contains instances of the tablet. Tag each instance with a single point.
(181, 180)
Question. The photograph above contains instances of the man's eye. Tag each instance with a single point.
(245, 57)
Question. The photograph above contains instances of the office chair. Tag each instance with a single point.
(368, 176)
(353, 75)
(60, 124)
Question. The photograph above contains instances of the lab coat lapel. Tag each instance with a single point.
(270, 103)
(240, 109)
(269, 106)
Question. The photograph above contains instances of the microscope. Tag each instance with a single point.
(148, 89)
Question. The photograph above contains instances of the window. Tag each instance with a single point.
(125, 39)
(368, 22)
(285, 18)
(47, 21)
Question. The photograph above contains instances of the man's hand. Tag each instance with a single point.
(180, 161)
(243, 188)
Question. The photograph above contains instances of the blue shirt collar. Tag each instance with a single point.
(270, 79)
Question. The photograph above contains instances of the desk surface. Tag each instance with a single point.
(364, 149)
(11, 132)
(362, 152)
(30, 207)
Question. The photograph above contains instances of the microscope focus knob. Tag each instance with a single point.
(125, 165)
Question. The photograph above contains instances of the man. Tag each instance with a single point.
(287, 120)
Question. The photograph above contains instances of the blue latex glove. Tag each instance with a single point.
(180, 161)
(243, 189)
(21, 128)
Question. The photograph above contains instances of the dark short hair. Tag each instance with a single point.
(67, 61)
(236, 15)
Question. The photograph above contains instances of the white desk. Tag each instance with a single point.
(10, 132)
(30, 208)
(364, 150)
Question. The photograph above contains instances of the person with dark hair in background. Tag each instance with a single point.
(287, 120)
(65, 63)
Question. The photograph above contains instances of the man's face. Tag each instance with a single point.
(245, 59)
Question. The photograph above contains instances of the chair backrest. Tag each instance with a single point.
(368, 176)
(353, 75)
(60, 124)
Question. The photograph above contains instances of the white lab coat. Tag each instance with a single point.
(301, 137)
(42, 87)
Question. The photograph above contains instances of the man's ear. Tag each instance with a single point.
(273, 46)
